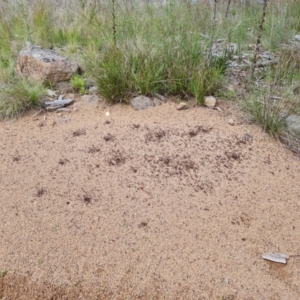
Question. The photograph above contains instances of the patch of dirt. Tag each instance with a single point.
(154, 204)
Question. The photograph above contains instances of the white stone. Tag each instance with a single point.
(276, 257)
(181, 106)
(231, 122)
(210, 101)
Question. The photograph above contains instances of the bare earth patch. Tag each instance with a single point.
(155, 204)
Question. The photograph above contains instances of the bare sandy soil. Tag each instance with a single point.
(156, 204)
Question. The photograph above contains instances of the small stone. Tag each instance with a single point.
(51, 93)
(60, 114)
(276, 257)
(232, 47)
(297, 37)
(234, 64)
(231, 122)
(218, 109)
(210, 101)
(142, 102)
(93, 90)
(181, 106)
(107, 113)
(293, 124)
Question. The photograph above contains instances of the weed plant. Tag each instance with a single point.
(78, 84)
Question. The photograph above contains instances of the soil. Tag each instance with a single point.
(153, 204)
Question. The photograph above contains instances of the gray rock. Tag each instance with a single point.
(297, 37)
(45, 65)
(93, 90)
(142, 102)
(59, 102)
(182, 105)
(293, 124)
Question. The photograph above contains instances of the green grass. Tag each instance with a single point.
(19, 96)
(78, 84)
(266, 112)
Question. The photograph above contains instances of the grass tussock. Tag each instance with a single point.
(266, 112)
(20, 96)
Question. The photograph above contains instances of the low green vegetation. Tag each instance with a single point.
(3, 273)
(78, 84)
(19, 96)
(145, 48)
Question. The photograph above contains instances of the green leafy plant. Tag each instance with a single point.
(78, 84)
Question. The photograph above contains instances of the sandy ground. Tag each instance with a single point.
(156, 204)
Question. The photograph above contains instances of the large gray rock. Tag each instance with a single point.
(45, 65)
(293, 124)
